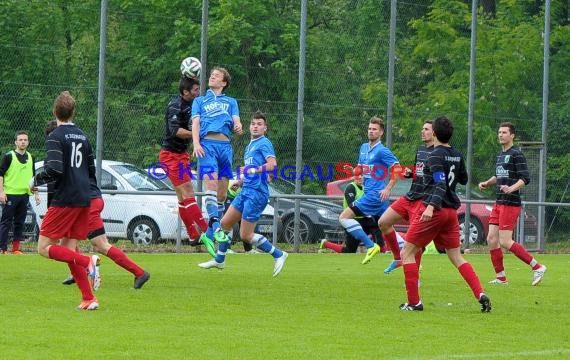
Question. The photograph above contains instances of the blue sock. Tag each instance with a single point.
(222, 249)
(265, 245)
(212, 210)
(353, 228)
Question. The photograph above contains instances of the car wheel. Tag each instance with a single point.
(476, 233)
(305, 230)
(143, 231)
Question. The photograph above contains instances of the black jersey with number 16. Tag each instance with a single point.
(69, 165)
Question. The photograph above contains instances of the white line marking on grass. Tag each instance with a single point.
(493, 354)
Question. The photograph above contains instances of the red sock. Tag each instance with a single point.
(521, 252)
(63, 254)
(15, 245)
(392, 242)
(80, 276)
(334, 247)
(497, 260)
(191, 214)
(121, 259)
(411, 274)
(470, 277)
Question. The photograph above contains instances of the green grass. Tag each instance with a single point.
(323, 306)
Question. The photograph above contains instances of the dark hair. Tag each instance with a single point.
(259, 115)
(64, 106)
(187, 84)
(443, 129)
(428, 122)
(227, 77)
(509, 125)
(21, 132)
(378, 121)
(50, 126)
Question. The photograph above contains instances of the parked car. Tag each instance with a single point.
(142, 218)
(318, 217)
(31, 228)
(479, 212)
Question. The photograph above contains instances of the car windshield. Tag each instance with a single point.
(279, 186)
(138, 178)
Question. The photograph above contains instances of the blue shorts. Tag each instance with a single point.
(250, 205)
(218, 156)
(370, 205)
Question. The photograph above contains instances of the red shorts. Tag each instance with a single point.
(505, 216)
(68, 222)
(95, 221)
(175, 163)
(405, 207)
(443, 228)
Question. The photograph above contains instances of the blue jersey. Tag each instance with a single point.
(256, 154)
(377, 161)
(216, 113)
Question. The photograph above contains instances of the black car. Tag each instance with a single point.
(319, 218)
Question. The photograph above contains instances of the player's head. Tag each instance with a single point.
(442, 129)
(375, 128)
(21, 140)
(64, 107)
(189, 88)
(506, 133)
(50, 126)
(219, 78)
(258, 125)
(427, 132)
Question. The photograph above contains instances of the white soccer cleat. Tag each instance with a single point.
(279, 262)
(538, 274)
(212, 264)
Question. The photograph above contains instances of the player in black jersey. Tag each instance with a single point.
(511, 174)
(436, 218)
(69, 165)
(405, 206)
(175, 157)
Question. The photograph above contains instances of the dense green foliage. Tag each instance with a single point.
(50, 46)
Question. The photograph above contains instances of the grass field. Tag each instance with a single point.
(322, 306)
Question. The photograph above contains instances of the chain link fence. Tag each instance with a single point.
(345, 84)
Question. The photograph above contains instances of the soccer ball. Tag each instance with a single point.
(191, 67)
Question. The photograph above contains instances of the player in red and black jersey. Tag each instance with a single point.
(174, 155)
(511, 174)
(405, 206)
(69, 165)
(436, 218)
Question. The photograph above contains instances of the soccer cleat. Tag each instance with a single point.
(221, 236)
(17, 252)
(393, 266)
(407, 307)
(279, 263)
(141, 280)
(322, 245)
(92, 304)
(209, 244)
(212, 264)
(497, 281)
(538, 274)
(70, 280)
(93, 271)
(3, 252)
(485, 303)
(370, 253)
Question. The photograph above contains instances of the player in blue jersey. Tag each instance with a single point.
(260, 163)
(374, 163)
(214, 117)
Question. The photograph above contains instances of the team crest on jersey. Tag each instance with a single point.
(507, 157)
